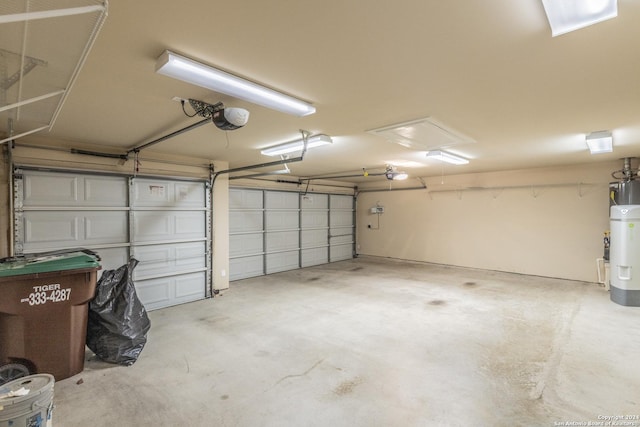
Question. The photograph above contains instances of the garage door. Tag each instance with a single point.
(341, 234)
(314, 222)
(246, 233)
(163, 223)
(282, 230)
(272, 231)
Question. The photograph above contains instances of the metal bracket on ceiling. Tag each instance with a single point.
(203, 109)
(28, 63)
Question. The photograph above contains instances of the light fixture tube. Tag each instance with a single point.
(600, 142)
(190, 71)
(400, 176)
(443, 156)
(290, 147)
(570, 15)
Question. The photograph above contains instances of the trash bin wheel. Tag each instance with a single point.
(12, 371)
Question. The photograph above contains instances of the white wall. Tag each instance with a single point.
(546, 222)
(220, 231)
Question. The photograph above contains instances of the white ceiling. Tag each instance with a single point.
(488, 69)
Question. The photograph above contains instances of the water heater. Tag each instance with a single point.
(624, 216)
(625, 255)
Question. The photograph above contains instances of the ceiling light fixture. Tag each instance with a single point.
(290, 147)
(422, 134)
(569, 15)
(600, 142)
(392, 174)
(443, 156)
(190, 71)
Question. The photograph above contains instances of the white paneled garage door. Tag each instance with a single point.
(169, 228)
(272, 231)
(314, 229)
(282, 229)
(162, 223)
(341, 227)
(246, 233)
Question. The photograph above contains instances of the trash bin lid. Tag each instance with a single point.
(45, 264)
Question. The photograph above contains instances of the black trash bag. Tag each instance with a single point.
(117, 325)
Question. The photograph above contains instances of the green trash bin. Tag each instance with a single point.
(43, 311)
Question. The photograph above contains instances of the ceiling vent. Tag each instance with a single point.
(43, 45)
(423, 134)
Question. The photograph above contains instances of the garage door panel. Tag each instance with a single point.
(105, 191)
(167, 291)
(165, 193)
(281, 220)
(189, 224)
(281, 200)
(245, 199)
(245, 221)
(342, 221)
(314, 201)
(282, 261)
(189, 194)
(341, 202)
(189, 286)
(112, 258)
(341, 252)
(341, 236)
(71, 190)
(167, 259)
(315, 256)
(311, 219)
(56, 229)
(312, 238)
(245, 267)
(105, 227)
(152, 226)
(154, 292)
(243, 244)
(191, 255)
(341, 218)
(51, 227)
(50, 190)
(284, 240)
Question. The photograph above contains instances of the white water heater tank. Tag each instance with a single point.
(625, 254)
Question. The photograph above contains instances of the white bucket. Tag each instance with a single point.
(34, 409)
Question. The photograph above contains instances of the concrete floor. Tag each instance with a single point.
(374, 342)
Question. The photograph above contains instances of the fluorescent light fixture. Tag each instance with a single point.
(569, 15)
(600, 142)
(443, 156)
(399, 176)
(190, 71)
(290, 147)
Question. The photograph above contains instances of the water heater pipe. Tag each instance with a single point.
(628, 174)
